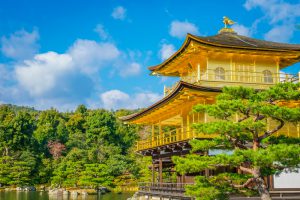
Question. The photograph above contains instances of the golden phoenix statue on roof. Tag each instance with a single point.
(227, 21)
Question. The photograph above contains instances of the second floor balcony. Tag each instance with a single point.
(220, 78)
(187, 133)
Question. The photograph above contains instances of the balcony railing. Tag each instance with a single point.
(232, 78)
(185, 134)
(164, 189)
(176, 135)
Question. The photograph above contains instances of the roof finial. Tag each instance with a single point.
(227, 22)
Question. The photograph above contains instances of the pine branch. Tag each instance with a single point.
(245, 169)
(248, 182)
(259, 117)
(269, 133)
(237, 143)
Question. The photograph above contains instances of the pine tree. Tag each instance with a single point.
(242, 126)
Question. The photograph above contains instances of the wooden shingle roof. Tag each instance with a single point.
(235, 40)
(231, 40)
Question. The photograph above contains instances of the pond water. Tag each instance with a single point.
(13, 195)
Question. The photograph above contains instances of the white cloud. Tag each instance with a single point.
(280, 33)
(5, 74)
(89, 56)
(103, 34)
(280, 14)
(46, 72)
(276, 10)
(115, 99)
(242, 30)
(166, 51)
(131, 69)
(41, 74)
(119, 13)
(179, 29)
(63, 80)
(20, 45)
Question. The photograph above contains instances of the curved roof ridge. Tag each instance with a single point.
(245, 41)
(234, 41)
(180, 85)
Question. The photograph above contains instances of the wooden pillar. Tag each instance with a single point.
(231, 69)
(207, 67)
(178, 138)
(182, 129)
(278, 72)
(255, 73)
(160, 171)
(271, 182)
(198, 73)
(160, 134)
(183, 178)
(153, 135)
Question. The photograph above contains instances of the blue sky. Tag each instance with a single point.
(62, 53)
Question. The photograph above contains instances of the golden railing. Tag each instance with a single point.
(176, 135)
(184, 134)
(232, 78)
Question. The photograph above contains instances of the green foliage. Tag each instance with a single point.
(96, 175)
(50, 126)
(98, 147)
(204, 189)
(241, 125)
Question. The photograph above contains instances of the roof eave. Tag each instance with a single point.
(190, 37)
(181, 85)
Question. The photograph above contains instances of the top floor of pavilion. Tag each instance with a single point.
(230, 59)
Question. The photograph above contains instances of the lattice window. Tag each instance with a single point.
(268, 78)
(219, 73)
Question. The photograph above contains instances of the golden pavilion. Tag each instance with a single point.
(205, 65)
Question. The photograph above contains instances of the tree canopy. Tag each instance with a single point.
(242, 127)
(88, 148)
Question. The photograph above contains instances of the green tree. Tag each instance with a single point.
(45, 170)
(5, 169)
(50, 126)
(16, 130)
(101, 127)
(96, 175)
(77, 131)
(67, 172)
(242, 115)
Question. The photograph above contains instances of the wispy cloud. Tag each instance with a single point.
(276, 10)
(242, 30)
(166, 51)
(20, 45)
(179, 29)
(280, 14)
(103, 34)
(115, 99)
(281, 33)
(119, 13)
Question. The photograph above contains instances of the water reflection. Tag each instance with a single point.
(31, 195)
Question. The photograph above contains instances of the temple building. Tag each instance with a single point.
(204, 66)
